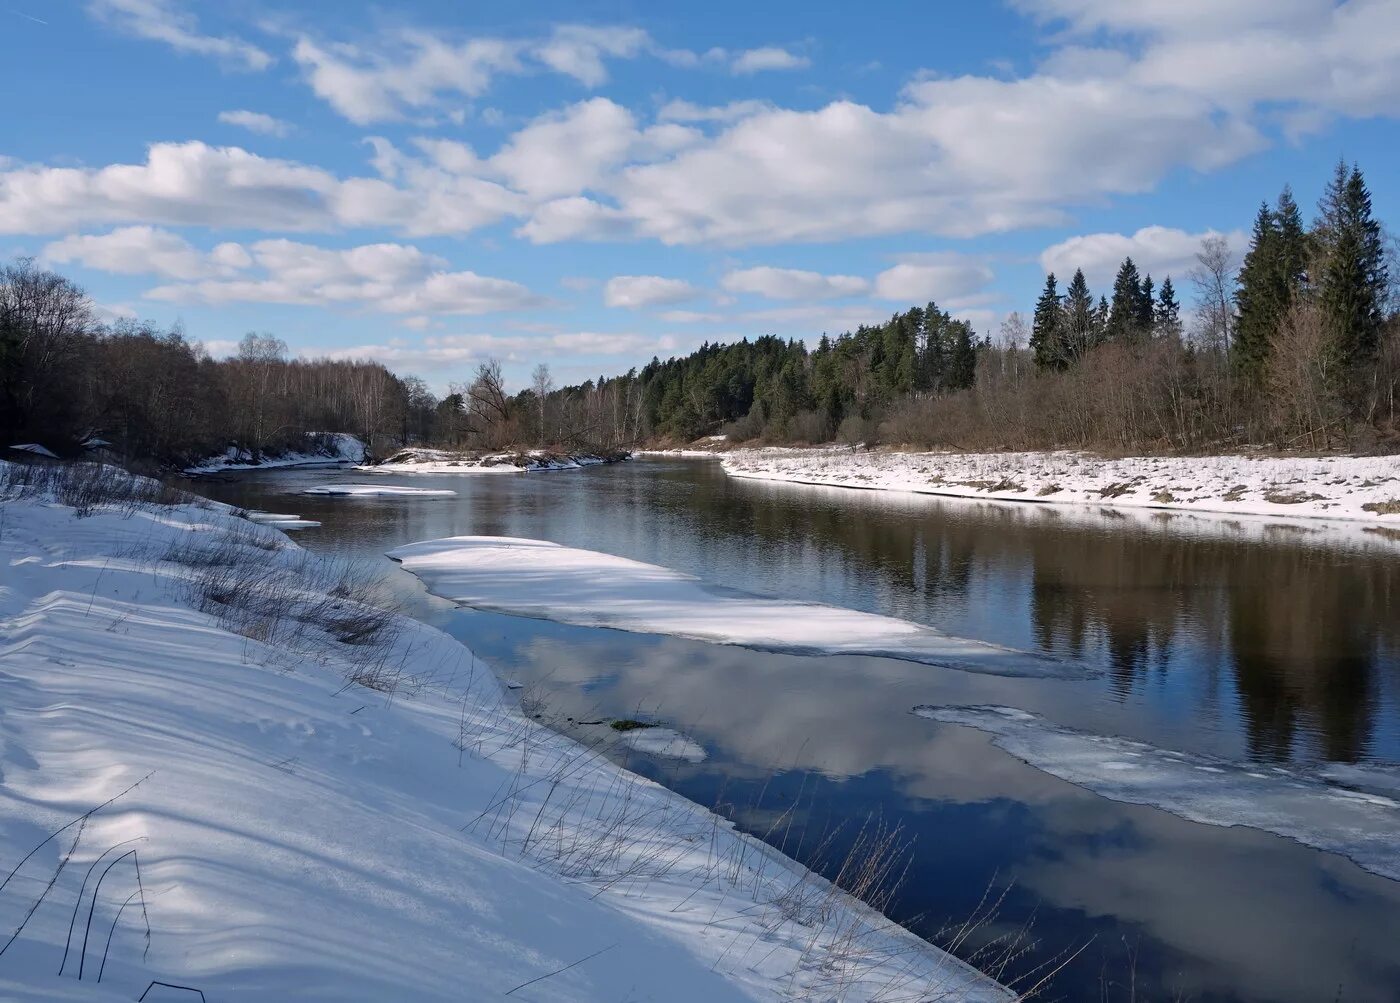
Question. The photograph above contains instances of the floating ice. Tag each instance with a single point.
(1313, 807)
(376, 491)
(664, 742)
(541, 579)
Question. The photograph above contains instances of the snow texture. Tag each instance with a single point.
(376, 491)
(332, 449)
(541, 579)
(36, 449)
(281, 520)
(1329, 487)
(420, 460)
(1340, 809)
(302, 837)
(665, 742)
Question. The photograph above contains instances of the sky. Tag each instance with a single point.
(592, 184)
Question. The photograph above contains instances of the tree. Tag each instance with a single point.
(1124, 310)
(1080, 323)
(1143, 314)
(1047, 327)
(1353, 278)
(1166, 317)
(1257, 298)
(1214, 280)
(44, 318)
(962, 361)
(542, 385)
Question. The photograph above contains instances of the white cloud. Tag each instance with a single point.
(919, 281)
(136, 250)
(633, 291)
(792, 283)
(387, 278)
(253, 121)
(1160, 250)
(769, 57)
(163, 21)
(687, 111)
(578, 50)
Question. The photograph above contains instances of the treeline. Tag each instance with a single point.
(66, 381)
(1297, 345)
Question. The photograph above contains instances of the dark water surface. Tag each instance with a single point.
(1243, 641)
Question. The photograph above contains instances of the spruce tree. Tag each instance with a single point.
(1047, 343)
(1293, 250)
(1124, 310)
(962, 360)
(1144, 307)
(1166, 316)
(1101, 316)
(1353, 278)
(1080, 326)
(1256, 299)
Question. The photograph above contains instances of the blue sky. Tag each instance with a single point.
(592, 184)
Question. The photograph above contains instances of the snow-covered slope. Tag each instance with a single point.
(327, 449)
(542, 579)
(175, 702)
(421, 460)
(1330, 487)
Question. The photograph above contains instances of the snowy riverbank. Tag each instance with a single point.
(1363, 488)
(300, 796)
(421, 460)
(324, 449)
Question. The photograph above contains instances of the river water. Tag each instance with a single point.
(1246, 642)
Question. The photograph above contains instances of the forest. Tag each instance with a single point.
(1297, 345)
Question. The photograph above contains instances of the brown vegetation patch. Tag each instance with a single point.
(1290, 497)
(1048, 489)
(1235, 494)
(1116, 490)
(1391, 507)
(1164, 497)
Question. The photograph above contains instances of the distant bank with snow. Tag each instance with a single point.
(323, 449)
(225, 766)
(1363, 488)
(422, 460)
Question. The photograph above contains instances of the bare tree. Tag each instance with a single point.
(542, 385)
(488, 406)
(1214, 279)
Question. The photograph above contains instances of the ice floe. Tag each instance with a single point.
(1340, 809)
(376, 491)
(665, 742)
(545, 580)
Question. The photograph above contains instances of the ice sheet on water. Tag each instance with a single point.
(1336, 808)
(665, 742)
(376, 491)
(541, 579)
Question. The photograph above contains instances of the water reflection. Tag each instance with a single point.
(1242, 640)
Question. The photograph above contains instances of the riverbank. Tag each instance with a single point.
(422, 460)
(300, 792)
(1361, 488)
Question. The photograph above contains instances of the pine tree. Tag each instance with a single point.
(1144, 307)
(1293, 249)
(1080, 326)
(1101, 315)
(1353, 277)
(962, 361)
(1047, 341)
(1124, 309)
(1256, 299)
(1166, 318)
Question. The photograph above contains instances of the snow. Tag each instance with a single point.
(665, 742)
(376, 491)
(36, 449)
(545, 580)
(302, 837)
(334, 449)
(421, 460)
(1328, 487)
(1339, 809)
(281, 520)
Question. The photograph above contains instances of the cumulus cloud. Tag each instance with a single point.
(386, 278)
(253, 121)
(1158, 250)
(792, 283)
(634, 291)
(769, 57)
(951, 279)
(163, 21)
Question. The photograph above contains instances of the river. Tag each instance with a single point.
(1244, 643)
